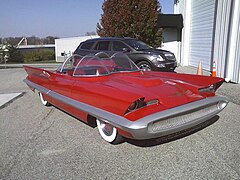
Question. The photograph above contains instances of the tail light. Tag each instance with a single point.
(210, 89)
(140, 103)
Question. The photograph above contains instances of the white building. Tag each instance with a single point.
(64, 47)
(211, 32)
(171, 25)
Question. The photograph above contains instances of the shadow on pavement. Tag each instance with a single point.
(156, 141)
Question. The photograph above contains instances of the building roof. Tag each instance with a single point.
(36, 46)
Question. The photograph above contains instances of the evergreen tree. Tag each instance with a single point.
(131, 18)
(14, 55)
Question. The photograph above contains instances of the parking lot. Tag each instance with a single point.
(38, 142)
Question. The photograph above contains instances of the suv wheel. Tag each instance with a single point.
(144, 65)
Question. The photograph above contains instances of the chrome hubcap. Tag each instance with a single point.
(145, 67)
(106, 128)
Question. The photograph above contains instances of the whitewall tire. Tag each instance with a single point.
(44, 102)
(108, 132)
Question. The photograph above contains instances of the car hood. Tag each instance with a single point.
(155, 51)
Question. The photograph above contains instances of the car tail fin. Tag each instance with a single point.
(195, 83)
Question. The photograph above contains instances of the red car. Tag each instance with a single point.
(124, 101)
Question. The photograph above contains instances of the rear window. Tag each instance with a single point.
(87, 45)
(102, 46)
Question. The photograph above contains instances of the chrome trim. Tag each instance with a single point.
(143, 127)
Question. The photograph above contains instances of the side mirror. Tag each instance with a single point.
(126, 50)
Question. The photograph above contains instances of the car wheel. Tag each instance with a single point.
(144, 65)
(109, 133)
(44, 102)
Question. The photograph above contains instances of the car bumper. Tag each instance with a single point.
(165, 66)
(155, 125)
(176, 119)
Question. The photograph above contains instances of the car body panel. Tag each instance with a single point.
(168, 98)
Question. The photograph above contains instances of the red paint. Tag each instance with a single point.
(116, 92)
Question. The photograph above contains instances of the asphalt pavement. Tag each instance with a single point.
(38, 142)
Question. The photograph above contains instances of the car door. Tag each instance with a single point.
(118, 46)
(62, 84)
(63, 79)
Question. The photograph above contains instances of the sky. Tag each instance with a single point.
(61, 18)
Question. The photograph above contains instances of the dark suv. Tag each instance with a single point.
(142, 54)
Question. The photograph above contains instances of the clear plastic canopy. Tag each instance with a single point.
(97, 65)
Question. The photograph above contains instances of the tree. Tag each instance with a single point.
(49, 40)
(14, 54)
(3, 52)
(31, 40)
(90, 33)
(131, 18)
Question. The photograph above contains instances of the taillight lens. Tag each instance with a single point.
(140, 103)
(133, 106)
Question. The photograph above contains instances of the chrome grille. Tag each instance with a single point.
(181, 119)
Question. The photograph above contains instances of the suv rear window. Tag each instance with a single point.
(102, 46)
(87, 45)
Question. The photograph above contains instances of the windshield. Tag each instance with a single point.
(138, 45)
(93, 65)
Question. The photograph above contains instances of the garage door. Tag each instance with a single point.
(201, 32)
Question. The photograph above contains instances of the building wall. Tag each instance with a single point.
(211, 33)
(181, 7)
(170, 42)
(232, 64)
(64, 47)
(201, 33)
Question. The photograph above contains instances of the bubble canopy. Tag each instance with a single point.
(97, 65)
